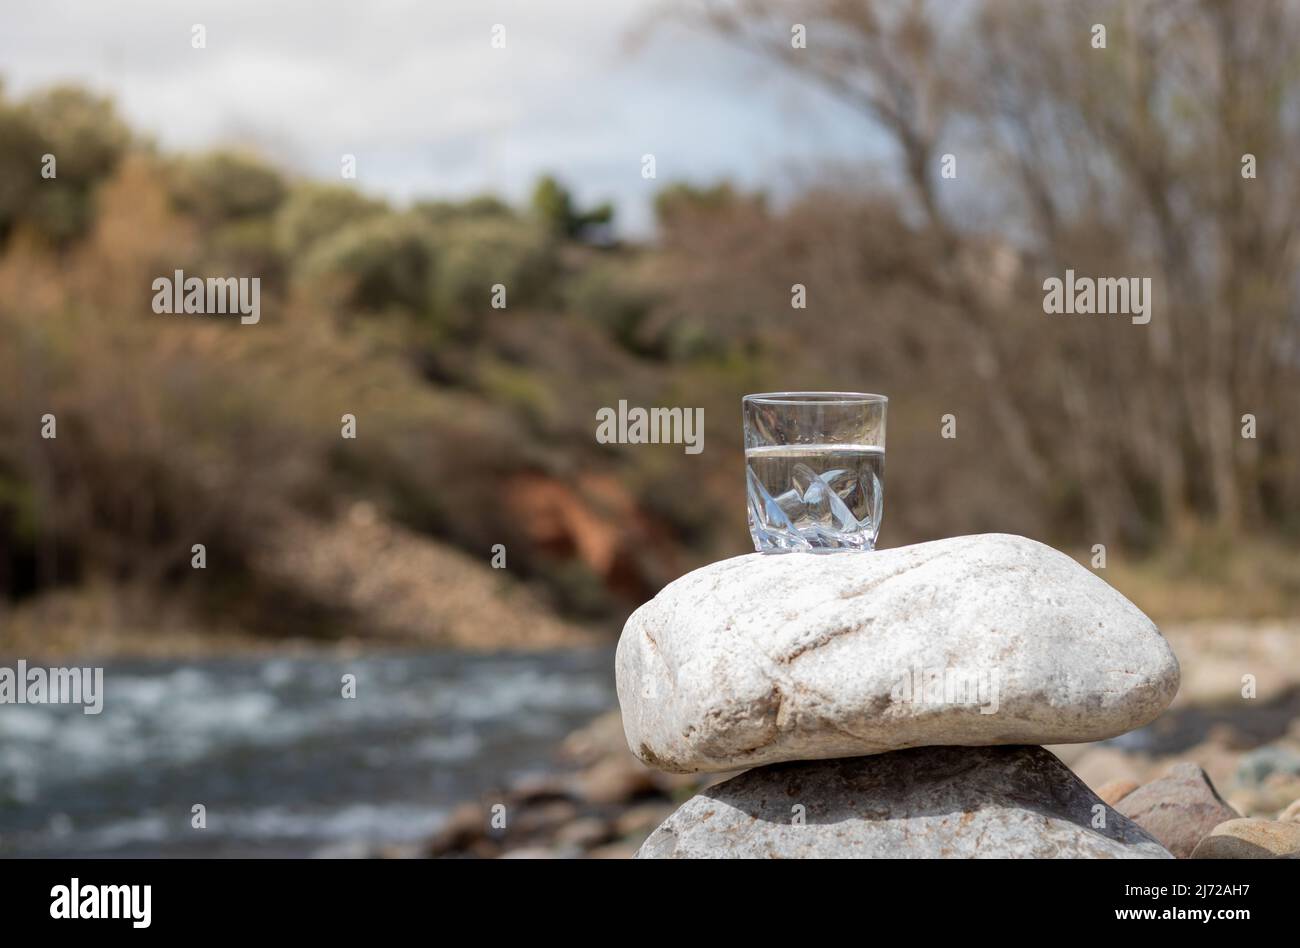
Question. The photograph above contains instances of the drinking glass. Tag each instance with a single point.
(815, 467)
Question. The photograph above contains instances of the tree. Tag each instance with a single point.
(84, 140)
(1116, 161)
(554, 205)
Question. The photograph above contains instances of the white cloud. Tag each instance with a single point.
(416, 92)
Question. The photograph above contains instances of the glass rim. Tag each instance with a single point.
(816, 398)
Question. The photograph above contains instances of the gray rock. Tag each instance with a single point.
(990, 639)
(1261, 763)
(1179, 809)
(1250, 839)
(929, 802)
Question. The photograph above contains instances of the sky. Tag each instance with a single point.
(429, 108)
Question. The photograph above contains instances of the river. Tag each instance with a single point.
(282, 762)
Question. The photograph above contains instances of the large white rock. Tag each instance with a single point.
(990, 639)
(926, 803)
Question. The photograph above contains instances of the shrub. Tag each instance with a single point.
(619, 300)
(476, 253)
(223, 185)
(444, 212)
(315, 212)
(86, 138)
(554, 206)
(378, 263)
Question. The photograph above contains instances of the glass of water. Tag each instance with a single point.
(815, 469)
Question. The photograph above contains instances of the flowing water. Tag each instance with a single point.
(284, 765)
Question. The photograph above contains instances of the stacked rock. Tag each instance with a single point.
(890, 704)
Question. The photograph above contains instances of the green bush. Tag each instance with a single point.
(314, 212)
(617, 299)
(20, 149)
(474, 254)
(444, 212)
(83, 134)
(82, 130)
(222, 186)
(381, 262)
(554, 206)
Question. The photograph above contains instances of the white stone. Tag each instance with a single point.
(765, 658)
